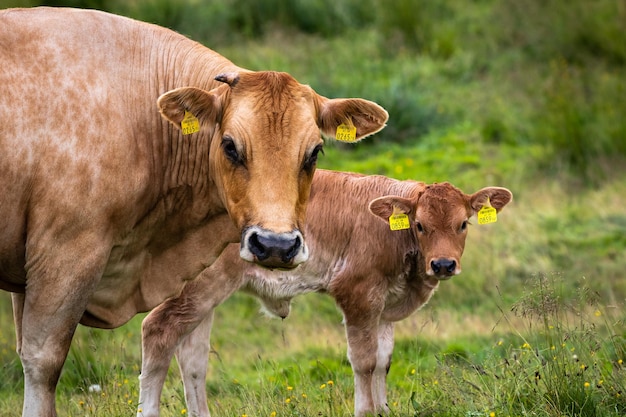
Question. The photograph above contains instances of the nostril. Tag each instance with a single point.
(435, 266)
(257, 247)
(291, 253)
(451, 266)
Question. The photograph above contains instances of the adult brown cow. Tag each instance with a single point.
(100, 193)
(377, 276)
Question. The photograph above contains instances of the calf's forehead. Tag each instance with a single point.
(442, 204)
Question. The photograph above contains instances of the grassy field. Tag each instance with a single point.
(528, 95)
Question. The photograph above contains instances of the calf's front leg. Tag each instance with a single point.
(182, 325)
(362, 346)
(383, 363)
(192, 355)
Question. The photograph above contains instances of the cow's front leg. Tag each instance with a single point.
(56, 297)
(383, 363)
(17, 300)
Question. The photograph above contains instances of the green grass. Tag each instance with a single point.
(523, 94)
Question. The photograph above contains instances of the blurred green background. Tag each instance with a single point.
(525, 94)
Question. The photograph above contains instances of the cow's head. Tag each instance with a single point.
(265, 138)
(439, 216)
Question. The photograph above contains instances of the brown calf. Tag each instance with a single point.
(376, 275)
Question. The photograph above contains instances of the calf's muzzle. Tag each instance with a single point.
(443, 267)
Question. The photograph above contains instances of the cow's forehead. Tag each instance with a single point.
(271, 103)
(270, 91)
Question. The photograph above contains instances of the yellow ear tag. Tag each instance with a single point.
(487, 214)
(398, 220)
(189, 124)
(346, 132)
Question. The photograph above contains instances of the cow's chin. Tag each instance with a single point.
(274, 264)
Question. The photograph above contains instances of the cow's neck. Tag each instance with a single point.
(181, 162)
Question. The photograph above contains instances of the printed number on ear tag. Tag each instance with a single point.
(346, 133)
(189, 124)
(399, 221)
(487, 215)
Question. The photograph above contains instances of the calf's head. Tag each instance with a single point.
(439, 216)
(264, 129)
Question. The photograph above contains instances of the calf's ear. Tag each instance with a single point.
(498, 198)
(204, 105)
(365, 116)
(384, 207)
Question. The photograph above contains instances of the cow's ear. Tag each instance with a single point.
(384, 207)
(366, 117)
(203, 105)
(498, 198)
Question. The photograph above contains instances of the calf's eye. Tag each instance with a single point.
(463, 226)
(420, 228)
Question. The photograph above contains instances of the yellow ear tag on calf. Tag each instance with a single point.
(398, 220)
(487, 214)
(189, 124)
(346, 132)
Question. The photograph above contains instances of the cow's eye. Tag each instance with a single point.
(463, 226)
(311, 160)
(420, 228)
(230, 150)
